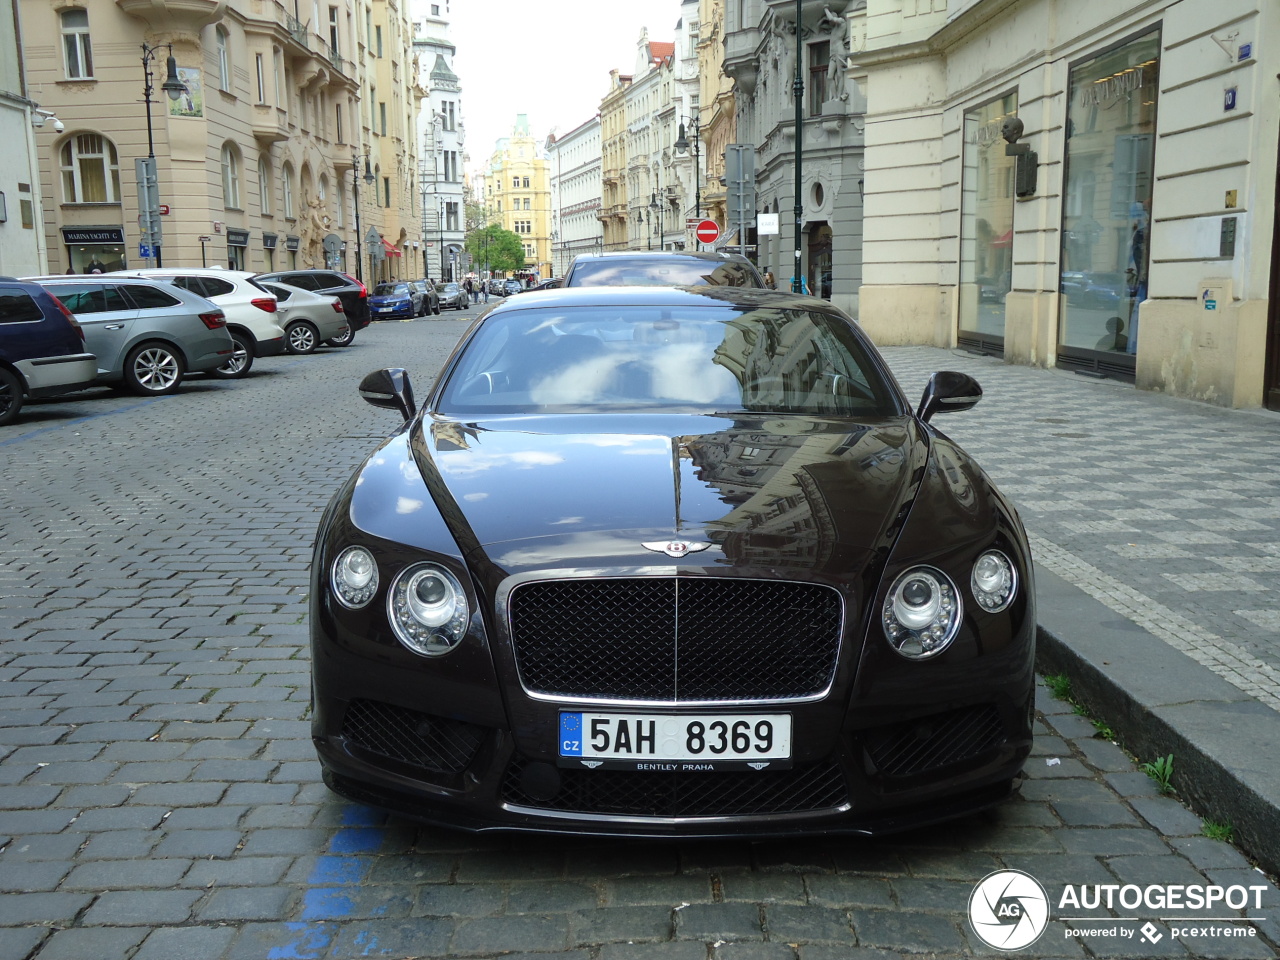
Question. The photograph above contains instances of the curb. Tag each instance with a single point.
(1160, 701)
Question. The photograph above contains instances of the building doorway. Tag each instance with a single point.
(818, 277)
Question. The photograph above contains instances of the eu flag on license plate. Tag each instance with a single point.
(570, 734)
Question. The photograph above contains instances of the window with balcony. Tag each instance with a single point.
(333, 30)
(90, 170)
(76, 48)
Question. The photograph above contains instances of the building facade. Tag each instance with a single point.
(442, 140)
(255, 149)
(1102, 201)
(518, 191)
(574, 161)
(22, 249)
(821, 234)
(716, 115)
(613, 150)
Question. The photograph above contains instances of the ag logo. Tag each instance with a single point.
(1009, 910)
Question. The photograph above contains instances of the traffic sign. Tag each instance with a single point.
(146, 252)
(205, 239)
(708, 231)
(164, 209)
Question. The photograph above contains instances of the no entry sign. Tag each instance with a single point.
(708, 231)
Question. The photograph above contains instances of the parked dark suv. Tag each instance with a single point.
(353, 294)
(41, 347)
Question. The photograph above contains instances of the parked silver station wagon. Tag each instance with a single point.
(147, 335)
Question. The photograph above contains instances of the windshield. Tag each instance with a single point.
(390, 290)
(686, 358)
(664, 272)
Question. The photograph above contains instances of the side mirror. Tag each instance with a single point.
(948, 391)
(389, 388)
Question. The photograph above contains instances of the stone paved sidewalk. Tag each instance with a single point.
(1167, 511)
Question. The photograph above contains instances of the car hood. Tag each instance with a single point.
(390, 298)
(537, 492)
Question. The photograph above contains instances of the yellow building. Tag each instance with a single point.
(254, 146)
(518, 196)
(613, 172)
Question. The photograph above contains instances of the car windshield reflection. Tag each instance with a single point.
(704, 359)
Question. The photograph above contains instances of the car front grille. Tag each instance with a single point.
(676, 639)
(928, 743)
(437, 745)
(626, 793)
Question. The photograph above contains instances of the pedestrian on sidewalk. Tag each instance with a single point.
(471, 293)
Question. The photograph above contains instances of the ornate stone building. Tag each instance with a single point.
(518, 196)
(760, 55)
(254, 150)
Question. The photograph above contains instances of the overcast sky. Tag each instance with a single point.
(550, 60)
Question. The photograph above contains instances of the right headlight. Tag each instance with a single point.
(354, 577)
(428, 609)
(922, 613)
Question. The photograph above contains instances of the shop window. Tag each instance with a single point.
(1106, 223)
(986, 225)
(77, 50)
(90, 170)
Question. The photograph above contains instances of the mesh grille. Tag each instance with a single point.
(903, 749)
(674, 794)
(676, 639)
(437, 744)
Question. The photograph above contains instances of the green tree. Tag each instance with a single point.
(501, 249)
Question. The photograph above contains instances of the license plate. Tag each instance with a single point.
(702, 742)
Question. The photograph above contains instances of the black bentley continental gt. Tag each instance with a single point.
(671, 562)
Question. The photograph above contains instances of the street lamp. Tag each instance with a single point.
(640, 220)
(682, 144)
(797, 283)
(655, 209)
(173, 88)
(355, 195)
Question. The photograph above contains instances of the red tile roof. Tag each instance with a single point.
(660, 51)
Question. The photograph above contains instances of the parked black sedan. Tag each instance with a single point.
(671, 562)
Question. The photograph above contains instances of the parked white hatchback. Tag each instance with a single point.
(250, 309)
(309, 319)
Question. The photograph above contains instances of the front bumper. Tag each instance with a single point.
(398, 312)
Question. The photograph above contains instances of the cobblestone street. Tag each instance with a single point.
(160, 798)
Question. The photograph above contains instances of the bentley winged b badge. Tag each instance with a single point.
(676, 548)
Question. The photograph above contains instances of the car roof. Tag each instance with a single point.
(698, 296)
(713, 255)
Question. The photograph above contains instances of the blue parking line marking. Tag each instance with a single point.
(312, 942)
(357, 840)
(79, 420)
(360, 816)
(331, 869)
(328, 904)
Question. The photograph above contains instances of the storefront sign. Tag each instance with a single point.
(237, 238)
(93, 235)
(291, 243)
(268, 241)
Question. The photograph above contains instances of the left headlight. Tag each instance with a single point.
(922, 613)
(994, 581)
(428, 609)
(354, 577)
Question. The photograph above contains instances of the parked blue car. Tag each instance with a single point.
(41, 348)
(393, 301)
